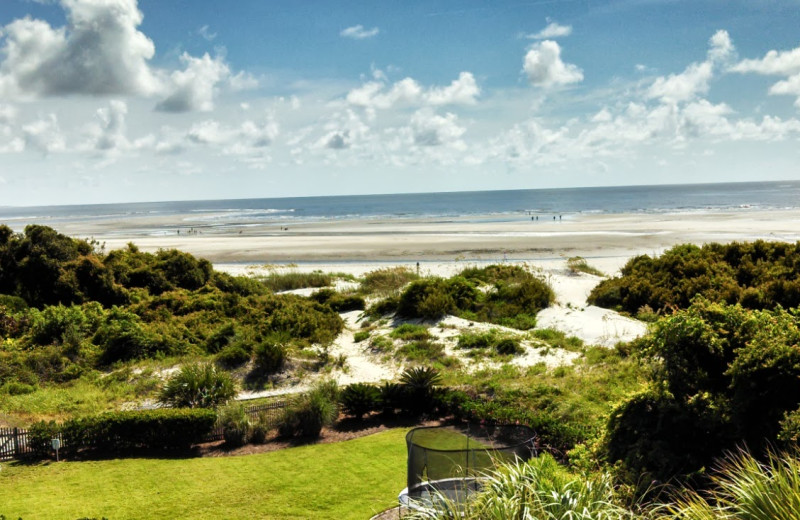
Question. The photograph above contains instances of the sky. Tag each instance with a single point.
(122, 100)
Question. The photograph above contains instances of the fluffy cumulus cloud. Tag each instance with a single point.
(553, 30)
(378, 94)
(100, 52)
(194, 87)
(777, 63)
(694, 80)
(108, 134)
(431, 129)
(358, 32)
(544, 67)
(44, 135)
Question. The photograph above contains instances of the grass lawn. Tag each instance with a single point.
(351, 479)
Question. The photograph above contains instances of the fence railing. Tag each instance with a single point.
(272, 410)
(14, 442)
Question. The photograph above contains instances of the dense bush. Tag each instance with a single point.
(199, 385)
(387, 281)
(235, 424)
(120, 432)
(309, 412)
(269, 356)
(360, 399)
(757, 275)
(294, 280)
(722, 375)
(512, 298)
(338, 301)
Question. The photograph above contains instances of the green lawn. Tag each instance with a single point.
(352, 479)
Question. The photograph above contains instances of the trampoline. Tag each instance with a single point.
(450, 461)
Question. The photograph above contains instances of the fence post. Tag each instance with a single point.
(16, 443)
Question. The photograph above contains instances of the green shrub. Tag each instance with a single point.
(381, 344)
(427, 299)
(383, 307)
(269, 356)
(235, 424)
(410, 332)
(17, 388)
(421, 351)
(509, 346)
(419, 384)
(744, 487)
(294, 280)
(199, 385)
(120, 432)
(260, 428)
(392, 397)
(339, 302)
(360, 399)
(360, 336)
(306, 416)
(387, 281)
(469, 340)
(233, 356)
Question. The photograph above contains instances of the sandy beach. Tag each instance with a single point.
(517, 237)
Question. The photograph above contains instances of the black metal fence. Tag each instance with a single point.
(14, 442)
(272, 411)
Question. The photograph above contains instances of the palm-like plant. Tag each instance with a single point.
(746, 489)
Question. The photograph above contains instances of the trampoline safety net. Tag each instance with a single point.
(439, 453)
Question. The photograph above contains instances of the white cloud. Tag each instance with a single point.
(553, 30)
(375, 95)
(110, 132)
(685, 86)
(206, 34)
(358, 32)
(431, 129)
(775, 63)
(461, 91)
(44, 135)
(194, 87)
(694, 80)
(100, 52)
(721, 47)
(544, 66)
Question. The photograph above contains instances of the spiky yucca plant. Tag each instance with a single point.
(746, 489)
(536, 490)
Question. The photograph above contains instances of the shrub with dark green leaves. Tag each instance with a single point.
(200, 385)
(233, 356)
(309, 412)
(360, 399)
(269, 356)
(338, 301)
(509, 346)
(120, 432)
(235, 424)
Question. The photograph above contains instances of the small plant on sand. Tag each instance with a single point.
(578, 264)
(360, 336)
(410, 332)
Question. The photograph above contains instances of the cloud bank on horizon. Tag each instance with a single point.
(98, 106)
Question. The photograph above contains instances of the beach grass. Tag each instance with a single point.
(348, 480)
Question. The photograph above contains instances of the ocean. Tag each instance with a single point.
(476, 206)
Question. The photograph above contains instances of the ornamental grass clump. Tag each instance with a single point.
(201, 385)
(746, 489)
(307, 415)
(539, 489)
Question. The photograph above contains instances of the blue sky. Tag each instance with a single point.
(126, 100)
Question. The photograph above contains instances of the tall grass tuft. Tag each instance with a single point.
(295, 280)
(746, 489)
(539, 489)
